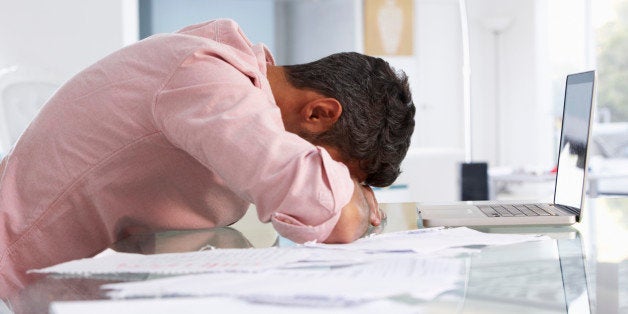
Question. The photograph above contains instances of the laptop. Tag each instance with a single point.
(569, 187)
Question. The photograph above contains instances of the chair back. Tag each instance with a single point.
(23, 91)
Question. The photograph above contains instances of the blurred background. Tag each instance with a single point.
(487, 76)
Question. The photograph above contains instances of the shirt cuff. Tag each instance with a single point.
(296, 231)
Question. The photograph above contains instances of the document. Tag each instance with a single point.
(430, 241)
(221, 305)
(220, 260)
(403, 275)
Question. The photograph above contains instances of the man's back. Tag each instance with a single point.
(94, 160)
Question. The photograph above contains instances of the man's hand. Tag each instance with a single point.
(355, 217)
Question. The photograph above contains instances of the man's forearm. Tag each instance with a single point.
(355, 217)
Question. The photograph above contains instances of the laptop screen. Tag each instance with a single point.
(572, 156)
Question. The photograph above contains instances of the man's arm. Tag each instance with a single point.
(356, 216)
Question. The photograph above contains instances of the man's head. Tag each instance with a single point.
(363, 110)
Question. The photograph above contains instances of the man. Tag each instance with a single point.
(184, 130)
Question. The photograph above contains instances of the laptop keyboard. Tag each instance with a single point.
(518, 210)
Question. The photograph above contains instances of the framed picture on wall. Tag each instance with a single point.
(388, 27)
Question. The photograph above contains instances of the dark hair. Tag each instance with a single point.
(377, 117)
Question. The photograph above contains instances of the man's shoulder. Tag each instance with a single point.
(221, 30)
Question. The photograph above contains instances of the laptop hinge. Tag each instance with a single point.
(570, 209)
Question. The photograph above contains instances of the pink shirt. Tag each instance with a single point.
(177, 131)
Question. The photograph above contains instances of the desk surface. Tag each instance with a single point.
(584, 270)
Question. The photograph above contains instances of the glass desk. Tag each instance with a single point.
(584, 270)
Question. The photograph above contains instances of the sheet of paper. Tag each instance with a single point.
(409, 275)
(429, 240)
(221, 305)
(221, 260)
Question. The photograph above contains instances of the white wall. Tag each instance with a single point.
(437, 76)
(64, 36)
(510, 83)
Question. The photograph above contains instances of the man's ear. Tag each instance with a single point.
(320, 114)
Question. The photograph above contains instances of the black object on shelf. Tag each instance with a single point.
(474, 181)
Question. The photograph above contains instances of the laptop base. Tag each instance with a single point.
(469, 214)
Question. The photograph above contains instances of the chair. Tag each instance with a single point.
(23, 91)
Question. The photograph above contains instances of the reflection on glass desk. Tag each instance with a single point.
(583, 270)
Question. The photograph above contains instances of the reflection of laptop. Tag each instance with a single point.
(570, 178)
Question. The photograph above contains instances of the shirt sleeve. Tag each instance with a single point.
(219, 116)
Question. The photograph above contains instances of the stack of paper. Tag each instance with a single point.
(407, 264)
(431, 241)
(418, 278)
